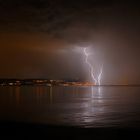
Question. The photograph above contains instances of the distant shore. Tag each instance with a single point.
(49, 83)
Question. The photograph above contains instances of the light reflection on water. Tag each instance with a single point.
(77, 106)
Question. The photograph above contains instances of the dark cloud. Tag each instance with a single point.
(41, 38)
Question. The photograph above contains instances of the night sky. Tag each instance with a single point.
(45, 39)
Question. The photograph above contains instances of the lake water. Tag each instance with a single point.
(105, 106)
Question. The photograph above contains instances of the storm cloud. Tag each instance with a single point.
(44, 39)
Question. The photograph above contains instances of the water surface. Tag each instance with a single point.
(105, 106)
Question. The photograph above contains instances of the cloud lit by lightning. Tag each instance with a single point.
(97, 80)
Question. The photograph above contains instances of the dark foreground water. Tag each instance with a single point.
(105, 106)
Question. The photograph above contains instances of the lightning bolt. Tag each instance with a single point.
(100, 75)
(98, 80)
(90, 66)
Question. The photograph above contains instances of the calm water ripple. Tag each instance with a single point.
(117, 106)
